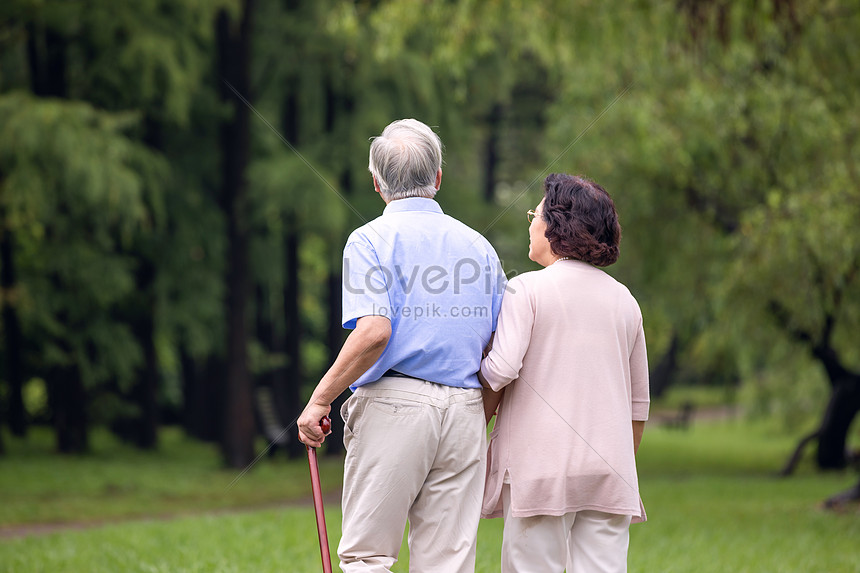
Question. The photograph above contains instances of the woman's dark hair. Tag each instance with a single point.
(581, 221)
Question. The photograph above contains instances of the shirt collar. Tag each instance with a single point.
(412, 204)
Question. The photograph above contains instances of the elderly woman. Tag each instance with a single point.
(569, 356)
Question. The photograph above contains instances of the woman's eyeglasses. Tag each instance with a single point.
(531, 215)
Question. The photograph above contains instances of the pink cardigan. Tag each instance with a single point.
(570, 352)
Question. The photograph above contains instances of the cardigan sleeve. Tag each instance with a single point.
(639, 390)
(502, 365)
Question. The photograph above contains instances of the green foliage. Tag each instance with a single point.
(35, 396)
(73, 191)
(93, 196)
(725, 131)
(67, 158)
(732, 159)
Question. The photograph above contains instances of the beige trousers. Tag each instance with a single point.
(415, 451)
(584, 542)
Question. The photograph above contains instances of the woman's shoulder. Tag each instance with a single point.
(528, 278)
(524, 285)
(623, 295)
(542, 279)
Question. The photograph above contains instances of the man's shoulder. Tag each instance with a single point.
(369, 233)
(387, 228)
(474, 236)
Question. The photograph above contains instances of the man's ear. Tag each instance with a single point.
(379, 190)
(438, 179)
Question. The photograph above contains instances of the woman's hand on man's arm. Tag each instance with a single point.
(491, 398)
(491, 402)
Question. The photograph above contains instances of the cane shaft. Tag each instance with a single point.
(318, 509)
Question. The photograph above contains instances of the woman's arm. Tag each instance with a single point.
(504, 357)
(640, 392)
(638, 430)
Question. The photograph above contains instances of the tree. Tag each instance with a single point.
(234, 35)
(733, 161)
(84, 203)
(71, 200)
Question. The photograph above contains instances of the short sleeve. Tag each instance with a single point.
(365, 284)
(639, 383)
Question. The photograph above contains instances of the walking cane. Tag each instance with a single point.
(325, 425)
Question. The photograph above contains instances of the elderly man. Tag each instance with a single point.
(422, 292)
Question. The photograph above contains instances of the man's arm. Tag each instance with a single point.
(362, 349)
(638, 430)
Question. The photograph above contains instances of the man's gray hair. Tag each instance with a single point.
(405, 158)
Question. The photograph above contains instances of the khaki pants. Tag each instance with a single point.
(415, 451)
(584, 541)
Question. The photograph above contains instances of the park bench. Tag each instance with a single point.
(683, 419)
(272, 427)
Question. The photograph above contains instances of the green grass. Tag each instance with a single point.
(713, 506)
(118, 481)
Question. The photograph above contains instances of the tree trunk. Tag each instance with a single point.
(841, 410)
(68, 402)
(265, 329)
(234, 61)
(202, 408)
(491, 152)
(334, 342)
(139, 310)
(144, 302)
(46, 60)
(290, 113)
(2, 443)
(11, 333)
(273, 342)
(663, 373)
(335, 332)
(289, 387)
(294, 332)
(844, 400)
(67, 397)
(145, 391)
(840, 500)
(796, 456)
(46, 55)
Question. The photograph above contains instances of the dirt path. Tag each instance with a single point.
(330, 499)
(676, 417)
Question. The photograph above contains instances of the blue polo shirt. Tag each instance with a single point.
(437, 280)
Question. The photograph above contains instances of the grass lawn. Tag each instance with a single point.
(118, 481)
(713, 506)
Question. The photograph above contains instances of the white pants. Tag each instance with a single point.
(584, 541)
(415, 450)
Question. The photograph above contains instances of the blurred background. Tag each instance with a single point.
(178, 178)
